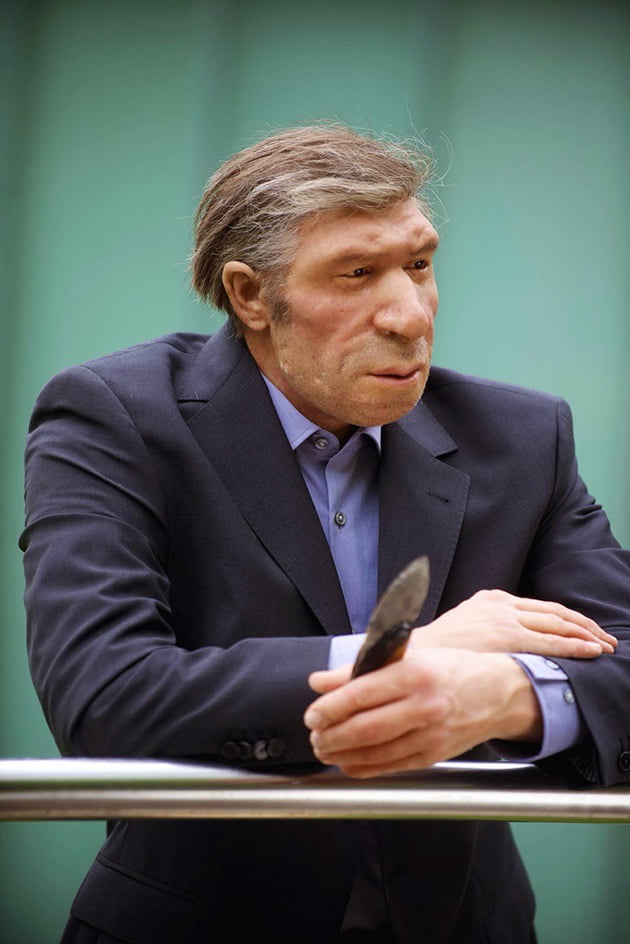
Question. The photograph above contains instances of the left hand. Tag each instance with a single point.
(429, 707)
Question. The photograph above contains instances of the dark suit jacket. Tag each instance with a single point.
(180, 590)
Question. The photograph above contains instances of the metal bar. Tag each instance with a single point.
(65, 789)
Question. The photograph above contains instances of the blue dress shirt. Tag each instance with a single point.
(343, 485)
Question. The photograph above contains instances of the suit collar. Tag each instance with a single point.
(250, 452)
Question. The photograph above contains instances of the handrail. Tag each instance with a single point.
(64, 789)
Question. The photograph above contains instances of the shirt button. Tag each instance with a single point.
(568, 696)
(552, 664)
(340, 518)
(321, 443)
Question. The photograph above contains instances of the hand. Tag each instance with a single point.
(431, 706)
(496, 621)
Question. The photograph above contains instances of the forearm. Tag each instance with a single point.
(115, 680)
(113, 677)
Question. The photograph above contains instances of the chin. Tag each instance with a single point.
(394, 409)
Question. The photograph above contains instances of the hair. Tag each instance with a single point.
(253, 206)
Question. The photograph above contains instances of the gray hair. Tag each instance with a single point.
(253, 206)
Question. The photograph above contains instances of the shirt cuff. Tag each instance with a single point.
(562, 723)
(344, 649)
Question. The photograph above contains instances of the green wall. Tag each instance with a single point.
(113, 116)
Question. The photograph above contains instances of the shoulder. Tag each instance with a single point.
(496, 415)
(139, 380)
(170, 367)
(444, 384)
(157, 355)
(153, 383)
(449, 392)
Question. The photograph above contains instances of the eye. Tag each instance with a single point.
(420, 265)
(358, 273)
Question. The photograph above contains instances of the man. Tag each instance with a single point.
(210, 519)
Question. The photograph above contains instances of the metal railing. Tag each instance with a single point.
(122, 789)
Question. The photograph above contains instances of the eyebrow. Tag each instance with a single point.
(360, 255)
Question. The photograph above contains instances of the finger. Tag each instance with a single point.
(327, 681)
(384, 725)
(392, 755)
(556, 625)
(368, 691)
(573, 617)
(562, 647)
(370, 771)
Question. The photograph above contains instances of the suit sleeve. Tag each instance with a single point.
(576, 559)
(105, 661)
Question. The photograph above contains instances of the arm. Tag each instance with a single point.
(574, 558)
(117, 674)
(419, 711)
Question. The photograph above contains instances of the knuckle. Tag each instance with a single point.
(557, 621)
(495, 596)
(363, 695)
(370, 731)
(436, 712)
(413, 675)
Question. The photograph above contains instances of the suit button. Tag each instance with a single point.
(244, 750)
(623, 761)
(276, 747)
(260, 750)
(230, 750)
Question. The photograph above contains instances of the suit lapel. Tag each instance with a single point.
(240, 433)
(422, 501)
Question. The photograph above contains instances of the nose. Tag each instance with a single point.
(406, 308)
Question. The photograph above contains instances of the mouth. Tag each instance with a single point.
(398, 375)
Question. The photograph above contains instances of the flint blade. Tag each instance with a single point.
(393, 618)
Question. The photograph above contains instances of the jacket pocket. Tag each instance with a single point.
(133, 909)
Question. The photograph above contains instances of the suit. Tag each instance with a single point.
(180, 589)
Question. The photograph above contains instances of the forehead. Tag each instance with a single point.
(344, 235)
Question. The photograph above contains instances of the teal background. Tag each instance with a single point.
(112, 116)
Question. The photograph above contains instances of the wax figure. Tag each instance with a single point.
(210, 519)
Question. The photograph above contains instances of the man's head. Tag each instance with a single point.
(254, 205)
(316, 243)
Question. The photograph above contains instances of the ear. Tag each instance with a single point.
(244, 289)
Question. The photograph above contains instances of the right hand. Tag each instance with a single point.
(496, 621)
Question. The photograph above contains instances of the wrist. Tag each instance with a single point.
(520, 718)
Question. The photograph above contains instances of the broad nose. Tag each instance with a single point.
(406, 308)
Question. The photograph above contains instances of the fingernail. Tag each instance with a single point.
(313, 719)
(319, 753)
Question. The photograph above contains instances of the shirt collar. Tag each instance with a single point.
(298, 428)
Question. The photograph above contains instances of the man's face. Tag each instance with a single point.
(353, 347)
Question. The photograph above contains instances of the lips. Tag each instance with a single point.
(398, 373)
